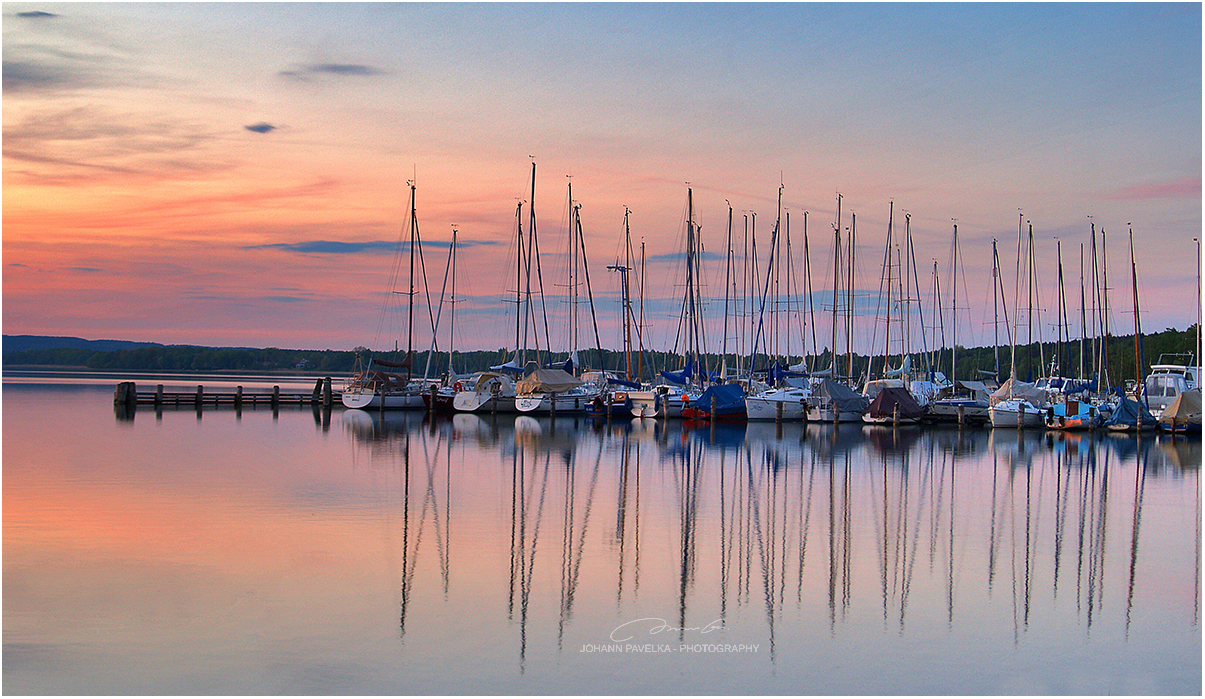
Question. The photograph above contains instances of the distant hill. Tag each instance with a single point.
(20, 343)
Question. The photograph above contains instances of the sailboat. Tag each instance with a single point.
(970, 407)
(1019, 403)
(778, 400)
(678, 389)
(386, 387)
(832, 401)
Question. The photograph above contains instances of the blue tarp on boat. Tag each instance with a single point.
(1128, 411)
(729, 400)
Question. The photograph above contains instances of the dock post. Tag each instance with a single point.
(126, 393)
(200, 394)
(778, 412)
(713, 409)
(158, 395)
(961, 415)
(895, 415)
(275, 396)
(327, 393)
(552, 405)
(431, 404)
(238, 396)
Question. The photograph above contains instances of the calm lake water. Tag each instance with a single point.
(303, 552)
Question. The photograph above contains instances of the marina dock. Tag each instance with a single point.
(322, 395)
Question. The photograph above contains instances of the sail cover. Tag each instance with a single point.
(680, 377)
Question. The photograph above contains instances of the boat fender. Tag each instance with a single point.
(458, 387)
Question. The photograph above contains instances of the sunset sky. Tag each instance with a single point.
(236, 174)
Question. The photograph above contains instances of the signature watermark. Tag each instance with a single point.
(636, 636)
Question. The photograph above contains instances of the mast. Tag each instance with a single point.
(1016, 298)
(884, 283)
(727, 288)
(996, 307)
(1137, 318)
(452, 306)
(1083, 316)
(836, 279)
(410, 304)
(627, 296)
(849, 306)
(953, 308)
(1104, 280)
(1061, 312)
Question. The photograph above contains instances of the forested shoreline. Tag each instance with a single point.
(1032, 360)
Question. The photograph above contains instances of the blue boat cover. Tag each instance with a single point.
(612, 381)
(681, 377)
(1128, 411)
(729, 399)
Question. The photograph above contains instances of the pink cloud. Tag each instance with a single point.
(1186, 188)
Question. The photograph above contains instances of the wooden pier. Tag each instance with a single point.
(127, 394)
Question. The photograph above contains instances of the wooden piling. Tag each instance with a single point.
(158, 395)
(328, 397)
(778, 412)
(275, 396)
(200, 394)
(238, 396)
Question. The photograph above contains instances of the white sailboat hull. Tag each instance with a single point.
(393, 400)
(1016, 414)
(777, 404)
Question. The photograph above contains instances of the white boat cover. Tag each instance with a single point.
(547, 381)
(1185, 409)
(1019, 389)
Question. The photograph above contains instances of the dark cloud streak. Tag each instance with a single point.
(305, 72)
(261, 127)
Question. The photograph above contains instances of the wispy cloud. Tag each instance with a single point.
(261, 127)
(36, 14)
(340, 247)
(329, 247)
(309, 71)
(1185, 188)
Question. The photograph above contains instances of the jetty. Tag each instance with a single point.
(128, 394)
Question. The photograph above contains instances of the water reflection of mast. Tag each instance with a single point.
(1096, 568)
(838, 544)
(1139, 490)
(441, 523)
(571, 552)
(688, 511)
(626, 475)
(522, 556)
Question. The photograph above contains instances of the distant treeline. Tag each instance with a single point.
(1032, 361)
